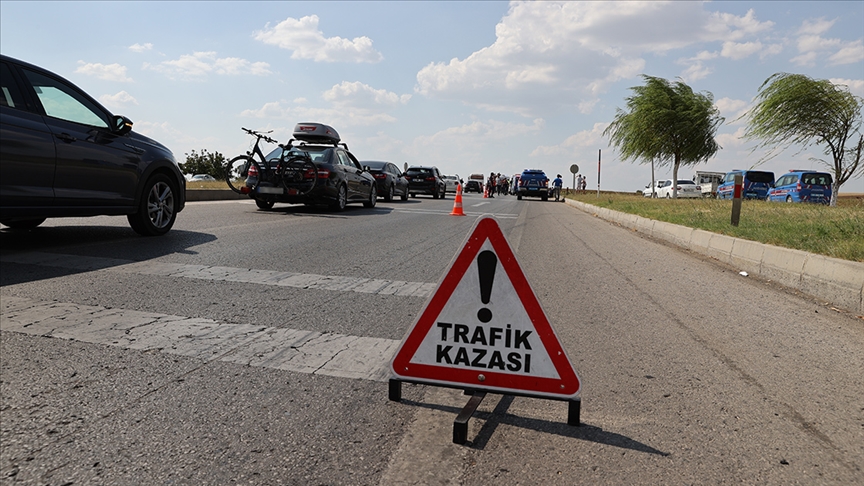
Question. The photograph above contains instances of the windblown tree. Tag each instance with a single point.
(793, 109)
(666, 123)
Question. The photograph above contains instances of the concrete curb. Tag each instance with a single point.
(840, 282)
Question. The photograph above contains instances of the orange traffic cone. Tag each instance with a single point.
(457, 203)
(485, 191)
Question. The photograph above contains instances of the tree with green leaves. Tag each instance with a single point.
(793, 109)
(666, 123)
(205, 163)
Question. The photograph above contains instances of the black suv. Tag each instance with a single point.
(425, 180)
(63, 154)
(533, 182)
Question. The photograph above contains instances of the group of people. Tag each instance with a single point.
(497, 184)
(581, 183)
(500, 184)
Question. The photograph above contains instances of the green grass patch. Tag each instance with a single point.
(832, 231)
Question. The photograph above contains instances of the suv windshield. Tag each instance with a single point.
(816, 179)
(420, 172)
(757, 176)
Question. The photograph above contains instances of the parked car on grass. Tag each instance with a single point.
(390, 180)
(755, 184)
(62, 154)
(425, 180)
(686, 189)
(202, 178)
(802, 186)
(648, 192)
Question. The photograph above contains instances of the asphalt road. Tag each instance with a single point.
(251, 347)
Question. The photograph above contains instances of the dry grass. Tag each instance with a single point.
(836, 232)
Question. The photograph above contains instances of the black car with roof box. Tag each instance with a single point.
(313, 168)
(62, 154)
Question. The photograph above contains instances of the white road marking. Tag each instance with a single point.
(227, 274)
(355, 357)
(479, 204)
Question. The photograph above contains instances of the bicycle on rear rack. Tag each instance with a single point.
(293, 173)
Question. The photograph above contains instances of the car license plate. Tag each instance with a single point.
(270, 190)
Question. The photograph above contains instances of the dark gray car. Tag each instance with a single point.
(62, 154)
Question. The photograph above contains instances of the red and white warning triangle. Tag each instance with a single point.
(483, 328)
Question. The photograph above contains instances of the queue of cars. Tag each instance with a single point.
(795, 186)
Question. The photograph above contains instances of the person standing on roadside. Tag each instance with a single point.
(490, 185)
(584, 184)
(556, 186)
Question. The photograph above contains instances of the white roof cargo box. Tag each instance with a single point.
(316, 132)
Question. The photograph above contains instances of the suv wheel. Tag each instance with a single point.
(390, 193)
(157, 210)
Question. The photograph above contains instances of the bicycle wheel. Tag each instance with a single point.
(242, 173)
(298, 175)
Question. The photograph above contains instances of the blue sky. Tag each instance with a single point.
(467, 86)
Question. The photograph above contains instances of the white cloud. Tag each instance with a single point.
(731, 140)
(562, 55)
(352, 104)
(361, 95)
(199, 64)
(307, 42)
(812, 46)
(107, 72)
(466, 136)
(740, 50)
(815, 26)
(141, 47)
(119, 100)
(856, 86)
(696, 72)
(731, 109)
(850, 53)
(576, 143)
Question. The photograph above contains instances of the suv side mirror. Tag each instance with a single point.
(122, 125)
(366, 168)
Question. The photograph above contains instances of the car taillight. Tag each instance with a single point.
(798, 186)
(380, 176)
(430, 179)
(323, 173)
(253, 171)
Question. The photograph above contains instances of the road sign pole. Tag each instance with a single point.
(599, 151)
(736, 199)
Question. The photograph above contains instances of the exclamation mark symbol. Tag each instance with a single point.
(487, 262)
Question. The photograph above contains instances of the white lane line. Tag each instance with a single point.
(355, 357)
(227, 274)
(479, 204)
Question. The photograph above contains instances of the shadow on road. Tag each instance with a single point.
(112, 245)
(500, 416)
